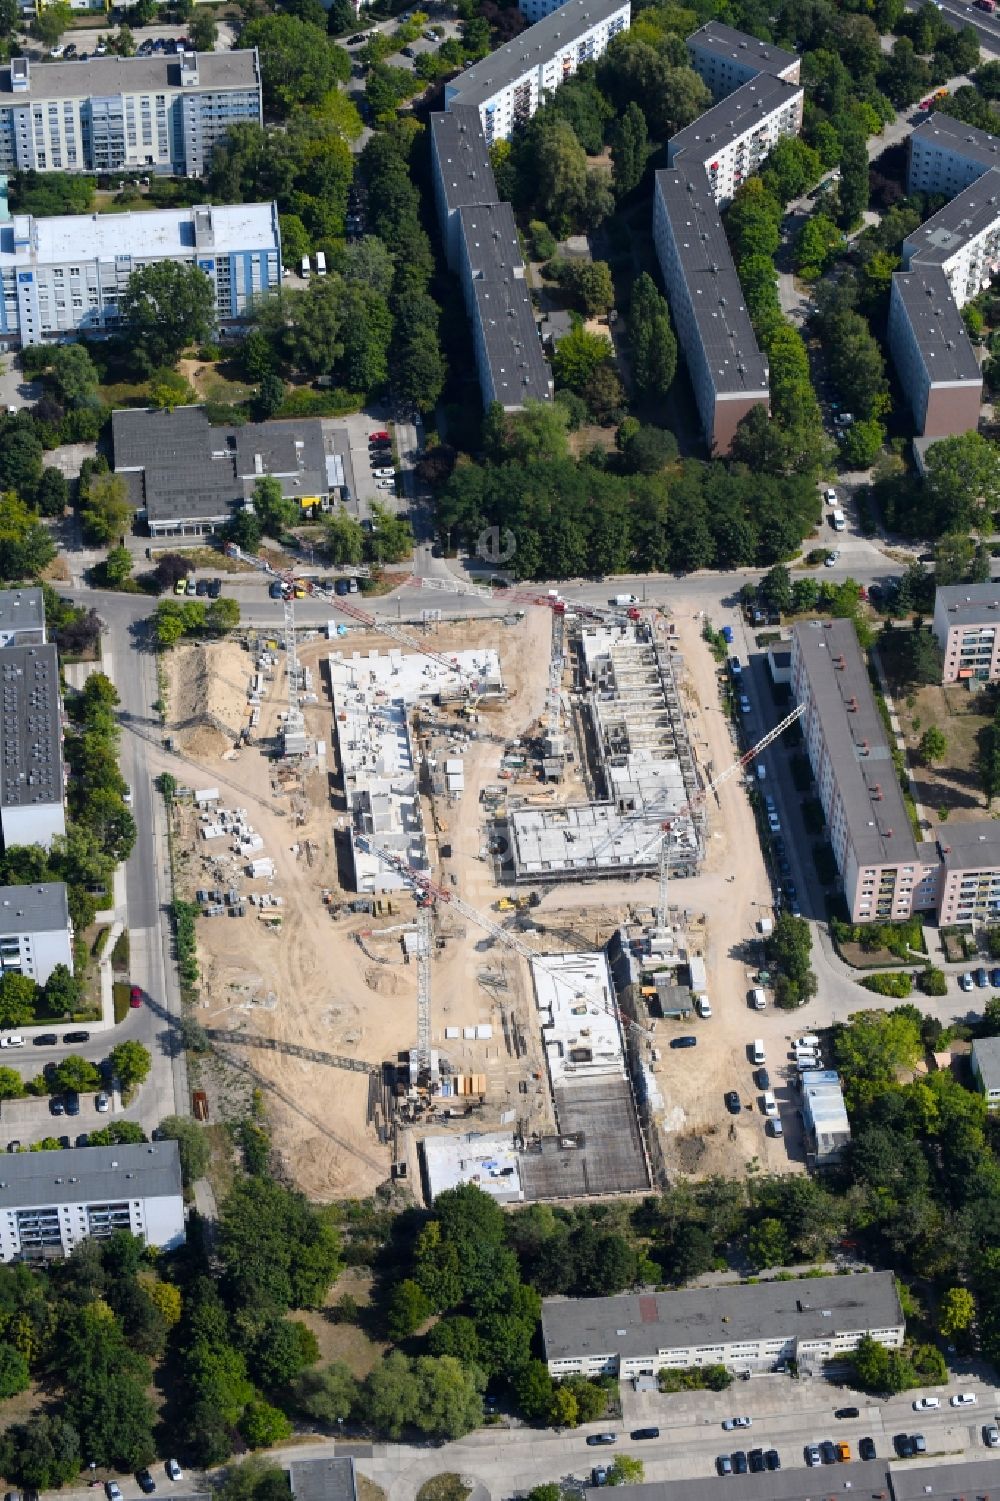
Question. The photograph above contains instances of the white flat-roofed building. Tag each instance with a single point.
(35, 931)
(725, 58)
(164, 113)
(51, 1201)
(746, 1327)
(946, 155)
(963, 238)
(31, 761)
(732, 140)
(22, 617)
(508, 86)
(490, 1162)
(578, 1015)
(728, 371)
(824, 1115)
(67, 274)
(932, 353)
(372, 697)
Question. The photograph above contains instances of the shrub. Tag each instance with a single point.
(933, 981)
(896, 985)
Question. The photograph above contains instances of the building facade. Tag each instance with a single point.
(725, 59)
(967, 629)
(112, 114)
(68, 274)
(934, 359)
(745, 1327)
(970, 873)
(35, 930)
(886, 875)
(508, 86)
(986, 1069)
(946, 155)
(22, 617)
(31, 761)
(733, 139)
(728, 371)
(51, 1201)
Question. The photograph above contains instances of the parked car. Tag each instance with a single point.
(848, 1412)
(744, 704)
(600, 1438)
(638, 1433)
(14, 1040)
(995, 978)
(755, 1459)
(181, 586)
(982, 978)
(145, 1482)
(57, 1106)
(684, 1042)
(408, 52)
(926, 1404)
(762, 1079)
(965, 981)
(919, 1443)
(379, 437)
(811, 1452)
(903, 1445)
(991, 1436)
(214, 588)
(809, 1042)
(45, 1040)
(14, 1146)
(739, 1462)
(772, 1459)
(599, 1475)
(828, 1452)
(174, 1471)
(733, 1102)
(843, 1452)
(832, 559)
(964, 1399)
(76, 1037)
(72, 1102)
(192, 587)
(201, 588)
(774, 1127)
(866, 1449)
(112, 1490)
(102, 1102)
(275, 590)
(724, 1465)
(135, 997)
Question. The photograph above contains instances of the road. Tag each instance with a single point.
(958, 14)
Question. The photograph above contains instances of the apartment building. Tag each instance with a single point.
(963, 238)
(733, 139)
(31, 762)
(22, 617)
(746, 1327)
(512, 368)
(885, 873)
(970, 872)
(463, 176)
(111, 114)
(35, 930)
(967, 629)
(51, 1201)
(508, 86)
(986, 1069)
(67, 274)
(728, 371)
(946, 155)
(725, 58)
(930, 347)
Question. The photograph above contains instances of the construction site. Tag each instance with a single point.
(406, 815)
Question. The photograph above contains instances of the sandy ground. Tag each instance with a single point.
(310, 982)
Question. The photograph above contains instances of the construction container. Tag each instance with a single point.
(206, 795)
(484, 1032)
(199, 1105)
(257, 869)
(452, 1032)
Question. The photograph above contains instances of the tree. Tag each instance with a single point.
(74, 375)
(815, 246)
(652, 346)
(77, 1074)
(20, 461)
(53, 491)
(589, 283)
(263, 1425)
(853, 187)
(391, 537)
(245, 530)
(118, 567)
(962, 480)
(192, 1143)
(11, 1084)
(276, 1247)
(25, 545)
(862, 443)
(391, 1396)
(956, 1312)
(131, 1063)
(105, 513)
(14, 1374)
(409, 1307)
(18, 998)
(62, 991)
(328, 1395)
(118, 1133)
(202, 31)
(629, 150)
(49, 23)
(768, 1244)
(921, 660)
(275, 514)
(775, 589)
(167, 306)
(578, 356)
(344, 537)
(299, 64)
(873, 1047)
(560, 172)
(450, 1396)
(933, 745)
(44, 1452)
(626, 1471)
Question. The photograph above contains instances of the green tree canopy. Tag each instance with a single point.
(167, 306)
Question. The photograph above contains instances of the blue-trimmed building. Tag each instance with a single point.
(67, 274)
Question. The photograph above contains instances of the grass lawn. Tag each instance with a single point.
(954, 785)
(346, 1342)
(120, 990)
(126, 393)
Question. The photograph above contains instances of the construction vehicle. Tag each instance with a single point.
(506, 905)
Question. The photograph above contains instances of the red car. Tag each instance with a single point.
(378, 437)
(135, 997)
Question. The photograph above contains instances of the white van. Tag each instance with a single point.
(757, 998)
(758, 1055)
(321, 263)
(838, 520)
(703, 1006)
(768, 1103)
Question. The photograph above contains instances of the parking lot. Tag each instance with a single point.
(29, 1120)
(354, 433)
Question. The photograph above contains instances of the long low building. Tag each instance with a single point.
(35, 930)
(51, 1201)
(932, 353)
(162, 114)
(31, 762)
(746, 1327)
(68, 274)
(971, 1476)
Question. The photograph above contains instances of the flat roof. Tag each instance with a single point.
(463, 157)
(972, 212)
(506, 318)
(538, 45)
(725, 122)
(323, 1479)
(205, 230)
(951, 134)
(578, 1015)
(797, 1484)
(986, 1051)
(75, 1175)
(938, 327)
(489, 240)
(639, 1324)
(723, 323)
(490, 1161)
(31, 762)
(578, 838)
(948, 1480)
(22, 610)
(856, 741)
(726, 41)
(969, 604)
(104, 76)
(34, 909)
(970, 846)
